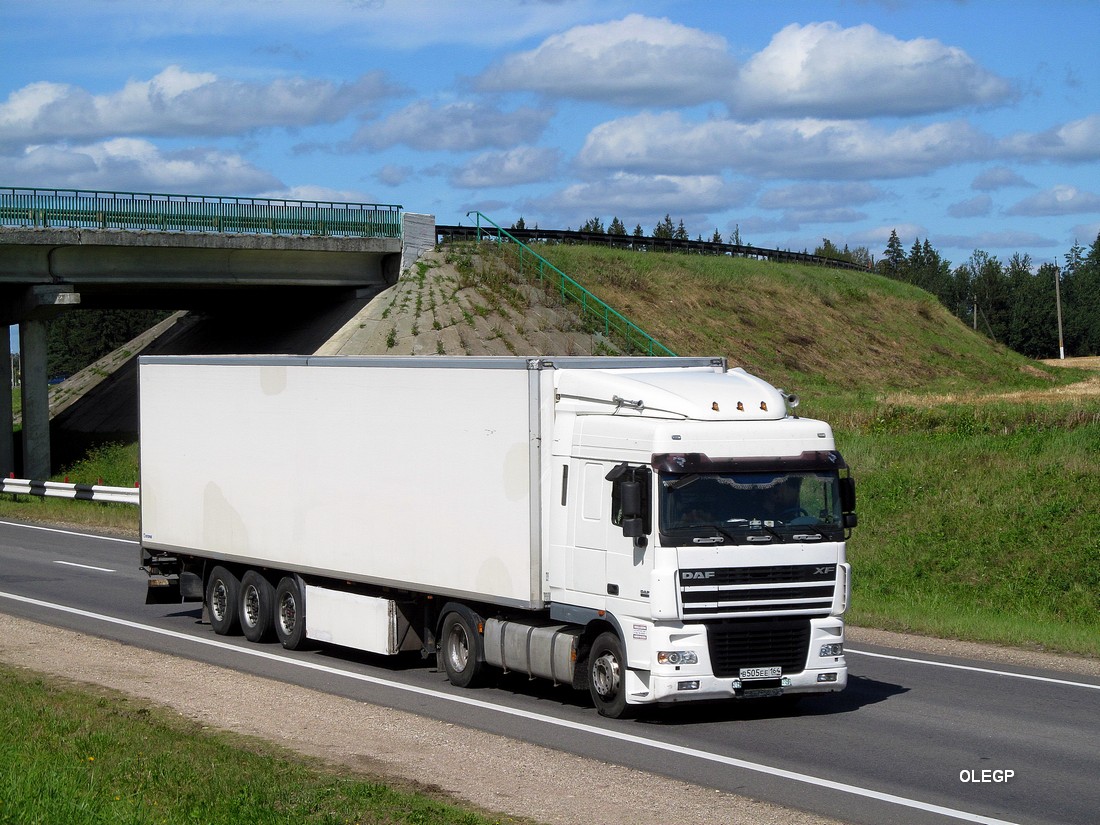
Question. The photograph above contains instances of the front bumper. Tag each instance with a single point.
(682, 683)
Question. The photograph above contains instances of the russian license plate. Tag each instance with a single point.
(761, 672)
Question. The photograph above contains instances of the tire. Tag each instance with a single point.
(256, 607)
(607, 676)
(460, 646)
(289, 614)
(222, 601)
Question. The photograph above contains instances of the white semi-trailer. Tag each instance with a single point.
(652, 530)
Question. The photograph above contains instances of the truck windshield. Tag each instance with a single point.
(788, 505)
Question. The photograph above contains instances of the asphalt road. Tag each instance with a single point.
(913, 739)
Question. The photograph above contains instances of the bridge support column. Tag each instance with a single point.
(7, 434)
(40, 303)
(36, 400)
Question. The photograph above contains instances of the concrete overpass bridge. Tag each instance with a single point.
(61, 250)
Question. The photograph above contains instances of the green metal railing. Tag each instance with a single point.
(195, 213)
(594, 311)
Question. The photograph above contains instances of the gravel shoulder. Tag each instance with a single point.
(513, 778)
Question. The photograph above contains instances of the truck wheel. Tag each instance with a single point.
(257, 607)
(222, 594)
(607, 676)
(290, 614)
(461, 651)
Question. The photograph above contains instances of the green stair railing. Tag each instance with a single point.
(595, 312)
(89, 209)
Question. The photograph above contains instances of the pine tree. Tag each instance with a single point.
(716, 237)
(664, 229)
(616, 227)
(893, 258)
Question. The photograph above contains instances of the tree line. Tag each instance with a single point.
(1013, 302)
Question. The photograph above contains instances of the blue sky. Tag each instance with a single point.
(975, 125)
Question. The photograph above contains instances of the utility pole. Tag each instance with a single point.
(1058, 304)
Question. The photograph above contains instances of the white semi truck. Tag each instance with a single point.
(653, 530)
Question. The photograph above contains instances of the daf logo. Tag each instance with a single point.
(697, 574)
(824, 571)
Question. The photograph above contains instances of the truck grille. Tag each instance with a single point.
(758, 643)
(740, 590)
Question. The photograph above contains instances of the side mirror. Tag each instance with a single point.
(848, 494)
(850, 521)
(630, 499)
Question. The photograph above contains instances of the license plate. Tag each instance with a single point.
(761, 672)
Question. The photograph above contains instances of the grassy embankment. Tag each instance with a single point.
(75, 756)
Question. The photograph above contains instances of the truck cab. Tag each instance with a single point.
(705, 521)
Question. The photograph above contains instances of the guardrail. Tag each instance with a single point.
(80, 492)
(89, 209)
(592, 308)
(651, 244)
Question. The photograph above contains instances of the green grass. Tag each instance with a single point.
(979, 533)
(115, 464)
(70, 755)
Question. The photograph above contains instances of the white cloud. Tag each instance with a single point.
(135, 165)
(176, 102)
(976, 207)
(819, 196)
(999, 177)
(807, 148)
(1076, 141)
(823, 70)
(641, 197)
(393, 175)
(1058, 200)
(524, 164)
(454, 127)
(634, 61)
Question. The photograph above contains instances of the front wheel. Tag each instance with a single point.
(607, 676)
(461, 649)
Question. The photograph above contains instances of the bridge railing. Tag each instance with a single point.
(595, 312)
(89, 209)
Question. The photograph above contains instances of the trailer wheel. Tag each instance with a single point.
(461, 648)
(257, 607)
(290, 614)
(607, 676)
(222, 594)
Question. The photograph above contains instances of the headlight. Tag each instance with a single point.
(832, 650)
(677, 657)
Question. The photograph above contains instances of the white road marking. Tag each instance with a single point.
(85, 566)
(67, 532)
(717, 758)
(974, 669)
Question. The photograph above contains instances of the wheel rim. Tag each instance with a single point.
(605, 676)
(458, 648)
(251, 604)
(288, 614)
(219, 600)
